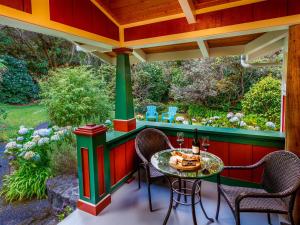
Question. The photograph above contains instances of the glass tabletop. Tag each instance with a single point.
(214, 164)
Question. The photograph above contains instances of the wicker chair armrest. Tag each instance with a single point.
(249, 167)
(281, 194)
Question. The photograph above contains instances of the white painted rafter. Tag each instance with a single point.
(140, 55)
(188, 9)
(204, 48)
(264, 40)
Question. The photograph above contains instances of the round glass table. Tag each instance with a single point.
(211, 165)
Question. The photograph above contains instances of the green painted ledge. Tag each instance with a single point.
(234, 135)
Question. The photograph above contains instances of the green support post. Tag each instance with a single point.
(94, 194)
(124, 116)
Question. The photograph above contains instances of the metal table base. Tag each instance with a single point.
(193, 192)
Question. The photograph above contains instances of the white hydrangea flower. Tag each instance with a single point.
(55, 137)
(194, 120)
(230, 115)
(257, 128)
(209, 121)
(55, 128)
(234, 119)
(239, 115)
(43, 141)
(35, 138)
(185, 122)
(23, 131)
(216, 117)
(271, 125)
(29, 155)
(20, 139)
(242, 124)
(44, 132)
(29, 145)
(108, 122)
(19, 146)
(11, 145)
(179, 119)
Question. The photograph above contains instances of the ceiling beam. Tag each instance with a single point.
(204, 48)
(140, 55)
(264, 40)
(188, 9)
(193, 54)
(272, 48)
(104, 57)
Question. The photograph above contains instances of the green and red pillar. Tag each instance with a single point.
(124, 116)
(94, 185)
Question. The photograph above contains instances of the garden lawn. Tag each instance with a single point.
(29, 116)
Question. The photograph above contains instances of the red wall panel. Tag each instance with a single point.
(293, 7)
(237, 15)
(112, 167)
(120, 162)
(240, 155)
(62, 11)
(130, 156)
(85, 172)
(100, 160)
(84, 15)
(23, 5)
(258, 153)
(220, 149)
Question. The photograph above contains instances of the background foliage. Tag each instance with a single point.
(16, 84)
(73, 96)
(264, 99)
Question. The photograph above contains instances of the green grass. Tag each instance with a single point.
(29, 116)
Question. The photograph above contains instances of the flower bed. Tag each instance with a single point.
(29, 156)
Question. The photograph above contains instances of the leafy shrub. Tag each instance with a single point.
(27, 182)
(16, 84)
(141, 106)
(3, 114)
(199, 111)
(73, 96)
(62, 156)
(264, 99)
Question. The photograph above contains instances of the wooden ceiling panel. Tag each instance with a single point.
(199, 4)
(232, 41)
(128, 11)
(172, 48)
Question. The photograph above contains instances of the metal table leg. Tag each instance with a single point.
(201, 204)
(170, 204)
(178, 194)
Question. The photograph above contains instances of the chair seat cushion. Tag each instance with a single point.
(253, 204)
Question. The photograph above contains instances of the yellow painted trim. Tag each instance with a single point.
(102, 9)
(41, 17)
(121, 36)
(198, 11)
(262, 24)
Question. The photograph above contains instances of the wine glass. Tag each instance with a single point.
(180, 139)
(205, 144)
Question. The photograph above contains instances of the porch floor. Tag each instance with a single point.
(130, 206)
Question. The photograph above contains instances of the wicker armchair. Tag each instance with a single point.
(280, 182)
(147, 143)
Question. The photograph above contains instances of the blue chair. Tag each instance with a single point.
(170, 116)
(151, 113)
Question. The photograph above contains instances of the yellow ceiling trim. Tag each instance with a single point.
(265, 25)
(41, 17)
(102, 9)
(198, 11)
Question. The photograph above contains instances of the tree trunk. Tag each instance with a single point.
(293, 101)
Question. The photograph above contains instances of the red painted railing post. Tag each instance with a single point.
(94, 194)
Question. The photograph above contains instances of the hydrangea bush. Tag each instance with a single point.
(31, 145)
(29, 154)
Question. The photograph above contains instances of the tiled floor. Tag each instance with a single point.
(130, 206)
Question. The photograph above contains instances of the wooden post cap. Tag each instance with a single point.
(122, 50)
(91, 130)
